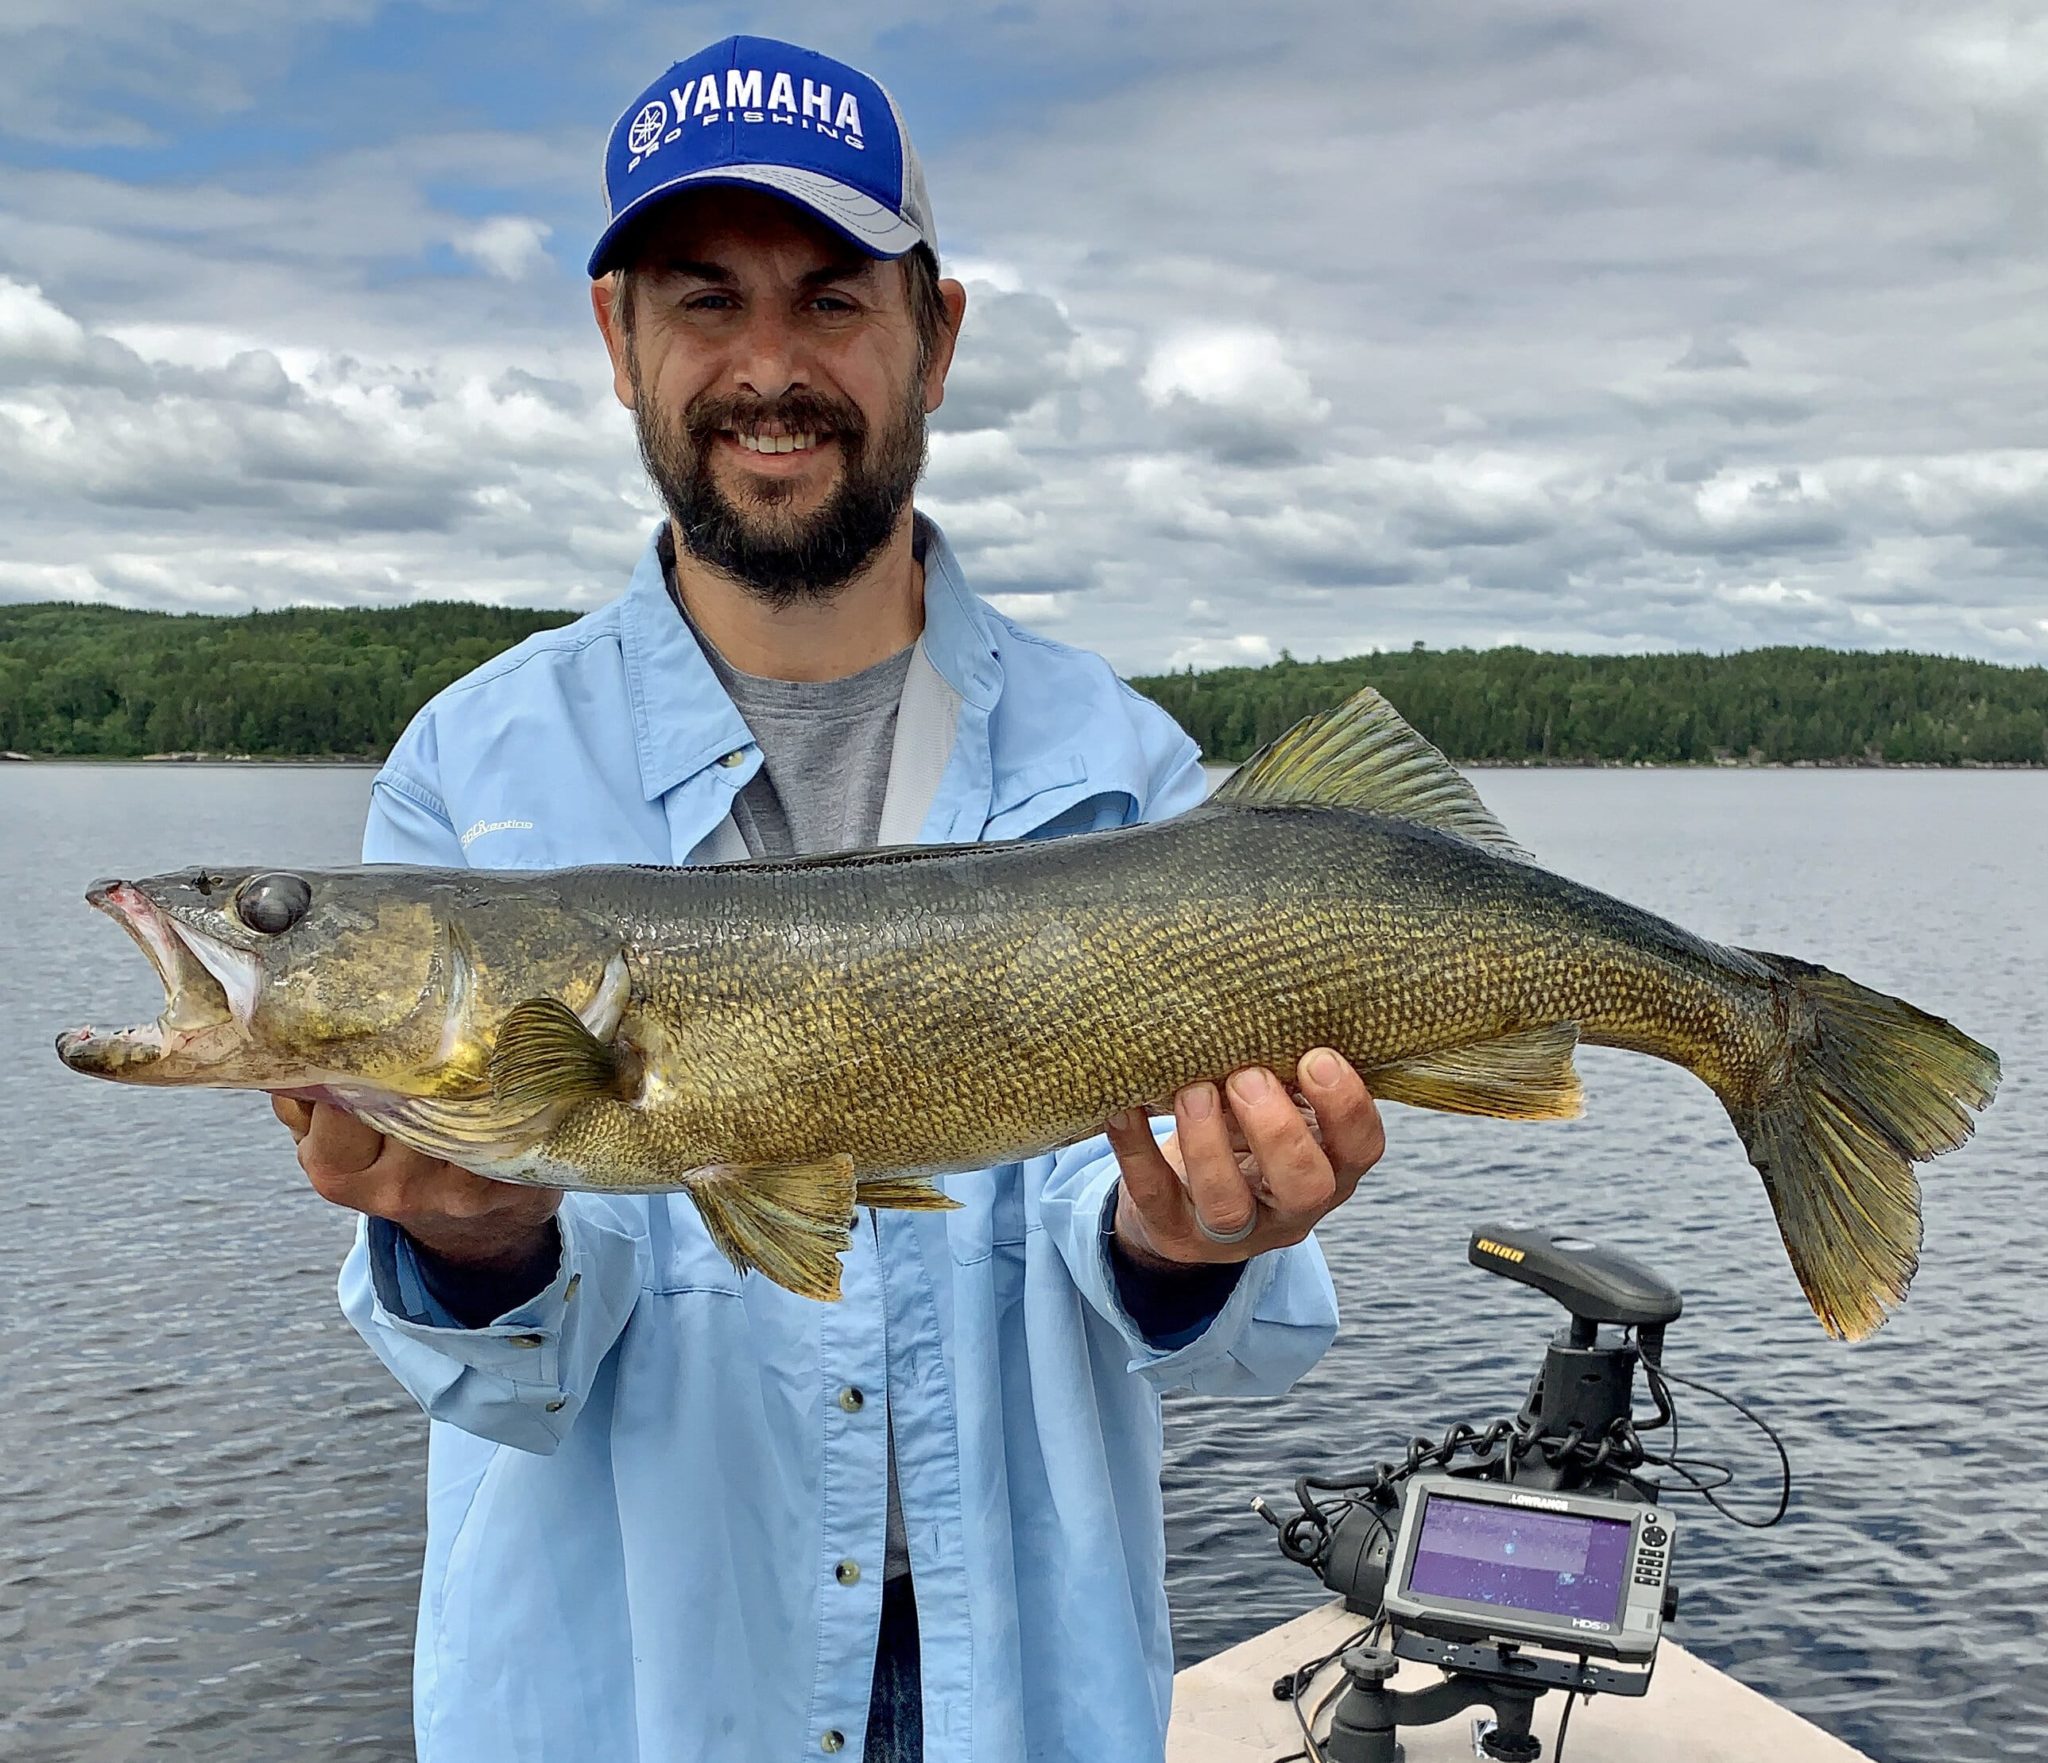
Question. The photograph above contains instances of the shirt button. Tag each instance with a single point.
(851, 1399)
(847, 1572)
(738, 757)
(834, 1740)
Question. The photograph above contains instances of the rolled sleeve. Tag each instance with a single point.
(523, 1378)
(1278, 1320)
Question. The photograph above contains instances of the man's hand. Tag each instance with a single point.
(491, 1226)
(1250, 1159)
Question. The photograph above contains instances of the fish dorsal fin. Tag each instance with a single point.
(1360, 754)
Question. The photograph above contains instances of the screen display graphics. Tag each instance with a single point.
(1516, 1559)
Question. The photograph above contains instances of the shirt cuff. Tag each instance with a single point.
(469, 1297)
(1171, 1305)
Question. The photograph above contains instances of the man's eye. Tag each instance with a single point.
(708, 303)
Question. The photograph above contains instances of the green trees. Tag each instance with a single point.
(96, 680)
(1523, 706)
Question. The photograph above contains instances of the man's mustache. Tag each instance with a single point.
(794, 412)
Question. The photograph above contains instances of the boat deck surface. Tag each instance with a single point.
(1224, 1712)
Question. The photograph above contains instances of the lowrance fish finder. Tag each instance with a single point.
(1491, 1562)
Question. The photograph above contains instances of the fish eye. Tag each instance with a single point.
(273, 903)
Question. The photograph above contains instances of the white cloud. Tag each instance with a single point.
(34, 331)
(509, 246)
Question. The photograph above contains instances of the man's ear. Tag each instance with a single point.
(953, 302)
(604, 304)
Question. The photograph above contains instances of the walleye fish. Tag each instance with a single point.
(786, 1041)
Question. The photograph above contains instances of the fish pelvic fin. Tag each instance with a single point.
(1523, 1076)
(903, 1193)
(1870, 1086)
(1362, 755)
(789, 1221)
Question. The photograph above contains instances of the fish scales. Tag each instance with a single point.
(948, 1009)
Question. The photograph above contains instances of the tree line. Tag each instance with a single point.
(99, 681)
(1528, 706)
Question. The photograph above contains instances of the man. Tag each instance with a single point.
(673, 1513)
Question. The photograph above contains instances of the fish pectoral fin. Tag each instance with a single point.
(790, 1221)
(903, 1193)
(1360, 754)
(545, 1054)
(1524, 1076)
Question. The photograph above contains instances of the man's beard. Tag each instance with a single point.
(774, 552)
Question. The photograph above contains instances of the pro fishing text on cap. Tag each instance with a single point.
(755, 112)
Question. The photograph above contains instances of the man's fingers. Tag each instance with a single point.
(1224, 1202)
(1293, 1169)
(1150, 1183)
(1349, 1119)
(338, 1145)
(296, 1115)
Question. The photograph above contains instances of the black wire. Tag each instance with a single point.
(1564, 1720)
(1306, 1674)
(1706, 1492)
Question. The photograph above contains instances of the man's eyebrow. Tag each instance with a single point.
(699, 272)
(847, 269)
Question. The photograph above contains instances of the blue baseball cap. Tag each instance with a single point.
(757, 113)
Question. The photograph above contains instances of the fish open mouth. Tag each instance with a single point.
(209, 995)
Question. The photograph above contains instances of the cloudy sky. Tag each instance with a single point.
(1309, 324)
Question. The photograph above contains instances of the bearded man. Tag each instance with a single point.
(674, 1514)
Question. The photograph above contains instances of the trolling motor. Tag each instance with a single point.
(1541, 1563)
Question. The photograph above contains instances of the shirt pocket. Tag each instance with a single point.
(991, 1214)
(1032, 798)
(681, 1256)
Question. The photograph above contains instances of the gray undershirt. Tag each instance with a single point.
(825, 749)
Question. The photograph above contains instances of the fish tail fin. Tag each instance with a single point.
(903, 1193)
(790, 1221)
(1869, 1086)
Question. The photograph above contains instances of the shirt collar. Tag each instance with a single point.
(682, 718)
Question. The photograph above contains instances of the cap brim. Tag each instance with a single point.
(859, 219)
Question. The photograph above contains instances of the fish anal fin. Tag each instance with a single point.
(1528, 1075)
(789, 1221)
(545, 1054)
(903, 1193)
(1362, 755)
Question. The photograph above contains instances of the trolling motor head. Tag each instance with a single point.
(1585, 1388)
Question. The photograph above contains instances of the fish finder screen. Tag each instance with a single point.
(1557, 1563)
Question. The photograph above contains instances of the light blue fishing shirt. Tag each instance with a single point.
(656, 1494)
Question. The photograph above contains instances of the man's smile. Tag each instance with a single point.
(769, 443)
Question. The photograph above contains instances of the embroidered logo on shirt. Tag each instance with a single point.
(493, 826)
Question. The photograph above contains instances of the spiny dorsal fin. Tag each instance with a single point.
(1360, 754)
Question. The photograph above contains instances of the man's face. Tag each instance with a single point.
(774, 376)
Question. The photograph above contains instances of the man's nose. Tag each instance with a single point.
(769, 357)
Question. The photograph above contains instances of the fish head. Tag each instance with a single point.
(348, 984)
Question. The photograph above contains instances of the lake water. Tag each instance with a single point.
(210, 1492)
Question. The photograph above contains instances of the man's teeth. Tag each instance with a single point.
(777, 443)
